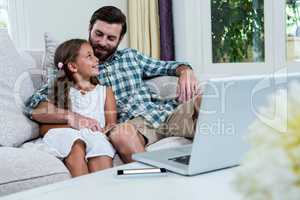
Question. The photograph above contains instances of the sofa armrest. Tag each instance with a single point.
(163, 86)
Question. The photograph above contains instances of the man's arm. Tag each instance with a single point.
(187, 83)
(153, 67)
(50, 117)
(38, 108)
(32, 102)
(47, 113)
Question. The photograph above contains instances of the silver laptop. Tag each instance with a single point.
(228, 107)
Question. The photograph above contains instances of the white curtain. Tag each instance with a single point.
(3, 4)
(3, 13)
(143, 23)
(18, 23)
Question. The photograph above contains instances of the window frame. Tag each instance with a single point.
(223, 69)
(194, 38)
(292, 66)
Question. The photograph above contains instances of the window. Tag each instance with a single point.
(293, 30)
(238, 37)
(3, 14)
(237, 31)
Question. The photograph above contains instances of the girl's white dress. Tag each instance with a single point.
(90, 104)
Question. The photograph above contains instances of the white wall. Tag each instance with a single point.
(63, 18)
(187, 33)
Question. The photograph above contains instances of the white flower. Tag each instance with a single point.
(271, 169)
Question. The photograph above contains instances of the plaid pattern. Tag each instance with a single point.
(33, 101)
(125, 72)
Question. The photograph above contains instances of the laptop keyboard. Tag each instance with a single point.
(182, 159)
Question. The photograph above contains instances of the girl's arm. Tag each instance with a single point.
(110, 109)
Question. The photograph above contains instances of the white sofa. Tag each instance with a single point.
(25, 162)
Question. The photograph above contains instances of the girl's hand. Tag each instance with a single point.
(78, 122)
(107, 129)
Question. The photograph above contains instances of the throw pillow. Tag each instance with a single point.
(15, 87)
(48, 62)
(34, 59)
(24, 87)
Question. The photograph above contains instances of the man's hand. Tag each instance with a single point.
(78, 122)
(188, 85)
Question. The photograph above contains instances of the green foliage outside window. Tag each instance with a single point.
(3, 24)
(293, 17)
(237, 30)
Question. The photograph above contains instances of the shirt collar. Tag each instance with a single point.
(115, 56)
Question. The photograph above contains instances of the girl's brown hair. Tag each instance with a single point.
(66, 53)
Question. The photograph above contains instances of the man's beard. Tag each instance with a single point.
(105, 52)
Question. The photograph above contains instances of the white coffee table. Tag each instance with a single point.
(106, 185)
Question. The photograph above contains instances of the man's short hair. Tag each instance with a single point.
(111, 15)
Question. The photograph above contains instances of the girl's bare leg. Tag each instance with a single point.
(75, 161)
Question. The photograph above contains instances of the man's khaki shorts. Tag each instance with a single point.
(180, 123)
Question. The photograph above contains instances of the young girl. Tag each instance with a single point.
(77, 89)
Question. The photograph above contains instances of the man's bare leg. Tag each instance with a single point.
(197, 104)
(127, 141)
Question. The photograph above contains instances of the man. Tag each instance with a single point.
(143, 117)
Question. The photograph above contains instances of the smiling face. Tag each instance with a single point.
(105, 38)
(86, 63)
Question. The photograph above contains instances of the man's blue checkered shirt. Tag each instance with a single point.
(125, 72)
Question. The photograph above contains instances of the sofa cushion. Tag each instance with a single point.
(15, 87)
(168, 143)
(163, 86)
(23, 169)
